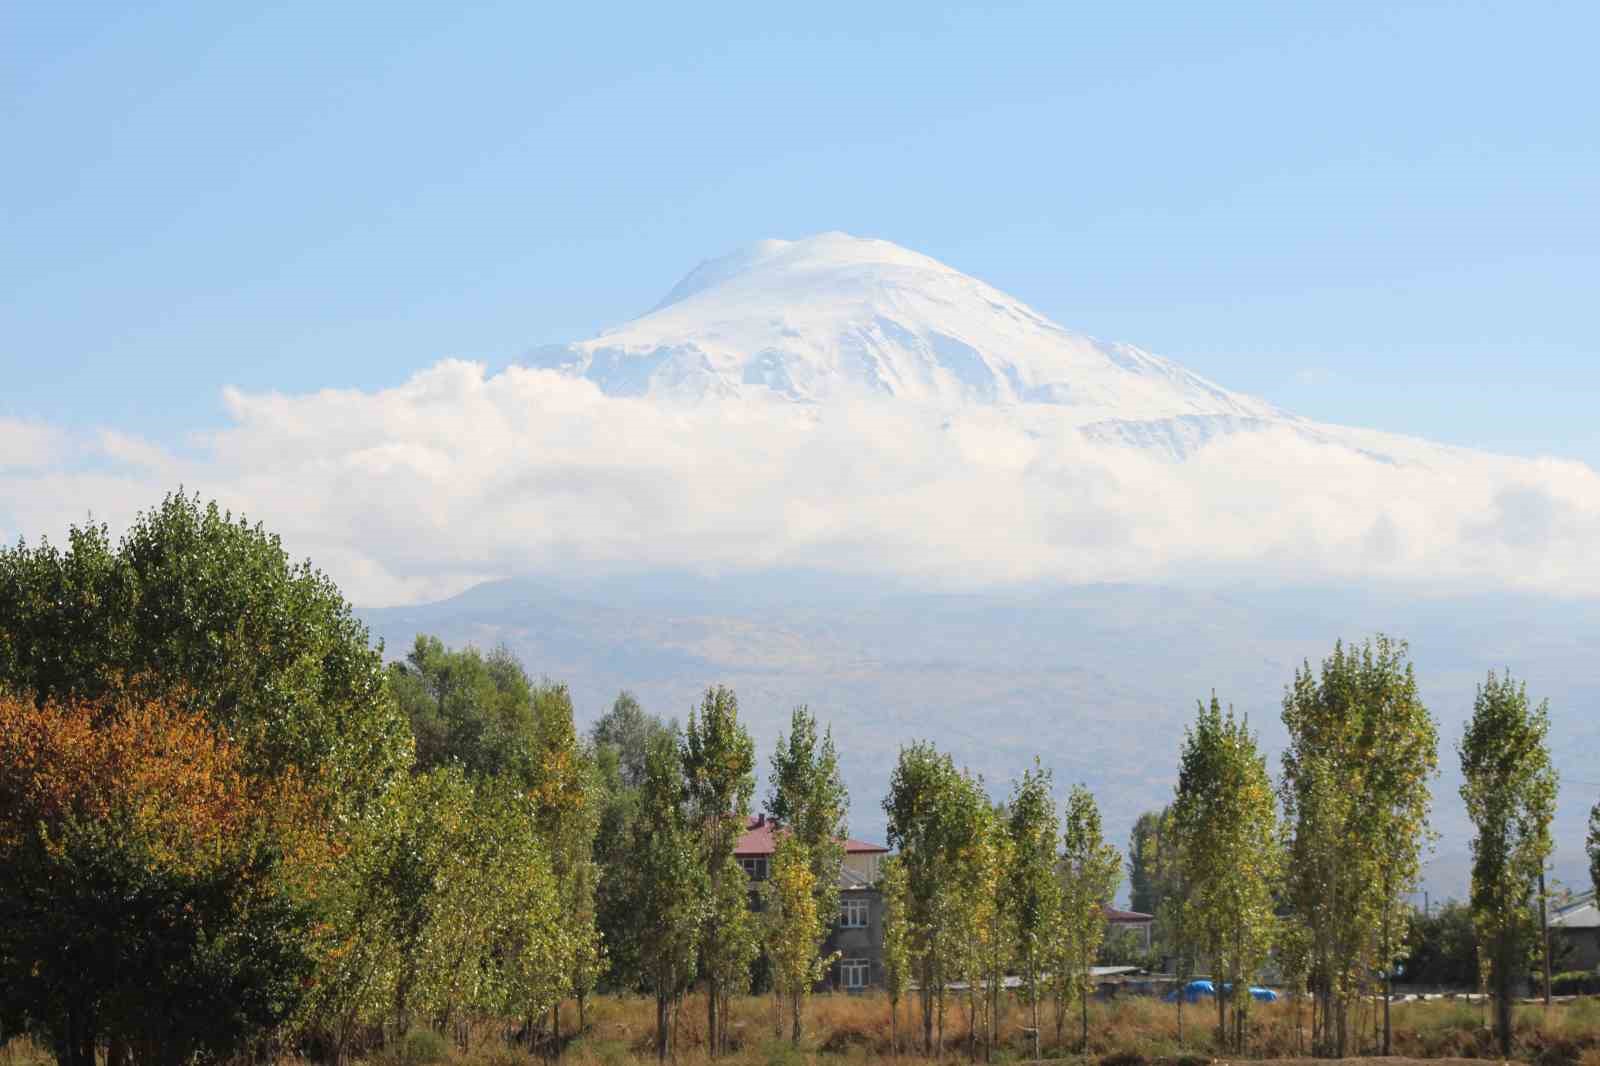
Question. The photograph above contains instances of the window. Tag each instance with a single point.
(755, 867)
(855, 973)
(852, 914)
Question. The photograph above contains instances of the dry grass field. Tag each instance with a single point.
(850, 1030)
(1122, 1032)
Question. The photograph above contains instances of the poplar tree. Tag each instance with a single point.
(667, 882)
(1362, 748)
(1509, 786)
(984, 940)
(567, 807)
(794, 927)
(1225, 819)
(1032, 887)
(719, 762)
(923, 793)
(727, 960)
(807, 798)
(1091, 869)
(896, 941)
(1152, 870)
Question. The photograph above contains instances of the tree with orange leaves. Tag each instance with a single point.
(152, 891)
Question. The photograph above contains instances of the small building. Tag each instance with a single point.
(1136, 923)
(858, 928)
(1575, 933)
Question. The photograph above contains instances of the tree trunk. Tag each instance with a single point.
(1083, 1040)
(927, 1007)
(1544, 933)
(1033, 1003)
(1388, 967)
(677, 1019)
(1182, 995)
(1222, 1006)
(939, 1049)
(1083, 994)
(1502, 1002)
(661, 1027)
(794, 1009)
(711, 1017)
(972, 1021)
(894, 1011)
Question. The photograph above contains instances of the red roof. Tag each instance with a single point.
(1114, 914)
(757, 840)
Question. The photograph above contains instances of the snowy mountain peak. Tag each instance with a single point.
(836, 317)
(826, 252)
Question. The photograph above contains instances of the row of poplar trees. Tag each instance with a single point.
(980, 890)
(680, 905)
(1316, 869)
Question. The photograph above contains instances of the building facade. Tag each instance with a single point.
(1575, 934)
(857, 933)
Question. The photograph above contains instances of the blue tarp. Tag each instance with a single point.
(1195, 990)
(1192, 991)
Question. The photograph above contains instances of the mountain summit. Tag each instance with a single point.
(836, 317)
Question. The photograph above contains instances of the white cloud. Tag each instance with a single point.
(26, 444)
(457, 476)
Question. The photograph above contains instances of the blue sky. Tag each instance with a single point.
(1379, 214)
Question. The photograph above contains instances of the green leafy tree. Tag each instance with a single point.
(897, 934)
(206, 612)
(923, 806)
(719, 762)
(628, 730)
(1032, 886)
(1225, 819)
(793, 928)
(1441, 947)
(668, 884)
(562, 784)
(807, 798)
(450, 908)
(988, 936)
(727, 962)
(620, 743)
(1152, 874)
(1362, 749)
(1509, 787)
(1091, 870)
(466, 708)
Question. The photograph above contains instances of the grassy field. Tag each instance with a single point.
(1130, 1031)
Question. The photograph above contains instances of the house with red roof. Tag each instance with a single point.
(857, 933)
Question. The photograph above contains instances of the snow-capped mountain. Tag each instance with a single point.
(836, 317)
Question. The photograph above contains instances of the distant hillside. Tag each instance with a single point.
(1098, 681)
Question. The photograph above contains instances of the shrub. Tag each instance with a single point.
(419, 1047)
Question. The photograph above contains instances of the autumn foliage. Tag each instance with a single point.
(153, 890)
(161, 774)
